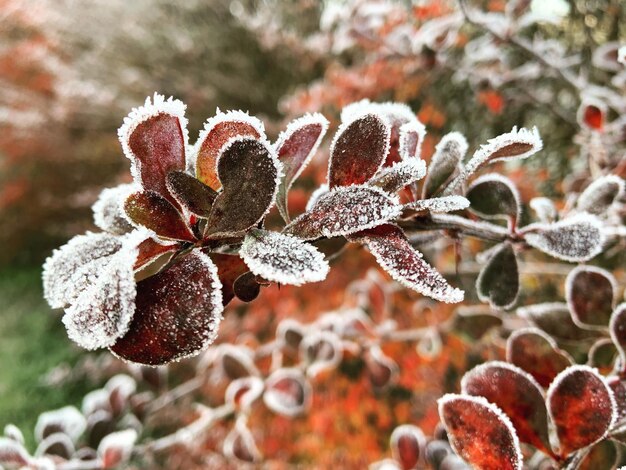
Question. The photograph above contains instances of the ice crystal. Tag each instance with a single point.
(544, 209)
(345, 210)
(393, 178)
(67, 419)
(395, 255)
(439, 204)
(600, 194)
(577, 238)
(516, 144)
(283, 258)
(108, 213)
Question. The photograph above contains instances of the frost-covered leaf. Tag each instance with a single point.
(291, 332)
(600, 194)
(239, 443)
(284, 259)
(101, 313)
(437, 450)
(218, 130)
(295, 147)
(58, 270)
(590, 293)
(582, 407)
(381, 369)
(67, 420)
(191, 193)
(237, 361)
(544, 209)
(592, 114)
(287, 392)
(617, 328)
(411, 138)
(229, 268)
(516, 144)
(358, 150)
(393, 178)
(120, 388)
(445, 162)
(116, 448)
(480, 432)
(177, 314)
(108, 211)
(154, 138)
(407, 444)
(577, 238)
(498, 281)
(13, 454)
(244, 391)
(96, 400)
(602, 355)
(150, 210)
(58, 444)
(151, 249)
(619, 392)
(602, 455)
(494, 196)
(343, 211)
(320, 350)
(438, 205)
(395, 255)
(517, 394)
(315, 195)
(99, 424)
(249, 171)
(538, 354)
(554, 318)
(13, 432)
(246, 287)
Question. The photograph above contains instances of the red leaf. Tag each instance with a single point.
(381, 370)
(150, 250)
(590, 293)
(537, 353)
(582, 407)
(229, 268)
(287, 392)
(592, 116)
(191, 193)
(358, 150)
(517, 394)
(246, 287)
(248, 169)
(149, 209)
(407, 444)
(395, 255)
(217, 132)
(177, 315)
(480, 433)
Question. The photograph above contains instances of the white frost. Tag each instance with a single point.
(321, 350)
(116, 448)
(239, 440)
(480, 371)
(108, 212)
(67, 419)
(600, 194)
(244, 389)
(439, 204)
(409, 131)
(323, 189)
(544, 209)
(283, 258)
(399, 175)
(397, 111)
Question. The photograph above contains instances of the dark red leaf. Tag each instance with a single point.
(554, 319)
(244, 391)
(480, 433)
(393, 178)
(295, 148)
(445, 163)
(237, 362)
(248, 171)
(149, 209)
(410, 139)
(517, 394)
(395, 255)
(177, 313)
(57, 444)
(150, 250)
(407, 445)
(116, 448)
(582, 407)
(229, 268)
(498, 281)
(617, 328)
(246, 287)
(535, 352)
(602, 355)
(191, 193)
(590, 293)
(217, 132)
(358, 150)
(593, 117)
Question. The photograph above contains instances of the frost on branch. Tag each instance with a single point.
(177, 313)
(590, 293)
(345, 210)
(494, 196)
(445, 163)
(102, 312)
(217, 131)
(498, 281)
(150, 210)
(115, 449)
(82, 250)
(154, 138)
(598, 197)
(358, 150)
(439, 205)
(517, 394)
(544, 209)
(295, 147)
(191, 193)
(249, 172)
(516, 144)
(284, 259)
(393, 178)
(582, 407)
(480, 432)
(108, 212)
(287, 392)
(395, 255)
(577, 238)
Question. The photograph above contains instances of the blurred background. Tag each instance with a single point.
(70, 70)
